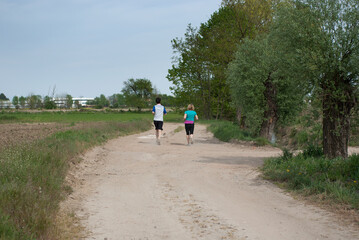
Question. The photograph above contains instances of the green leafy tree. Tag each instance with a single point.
(49, 103)
(323, 36)
(77, 104)
(117, 100)
(137, 92)
(262, 89)
(39, 102)
(69, 101)
(190, 79)
(34, 101)
(22, 101)
(252, 15)
(202, 57)
(3, 97)
(101, 102)
(15, 101)
(167, 100)
(220, 36)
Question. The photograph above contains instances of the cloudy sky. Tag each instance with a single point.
(90, 47)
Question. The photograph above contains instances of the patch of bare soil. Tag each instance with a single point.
(132, 188)
(20, 133)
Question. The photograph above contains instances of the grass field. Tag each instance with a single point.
(32, 174)
(80, 116)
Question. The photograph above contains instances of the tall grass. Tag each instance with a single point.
(227, 131)
(32, 177)
(310, 173)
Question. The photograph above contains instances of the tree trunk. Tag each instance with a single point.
(202, 95)
(335, 134)
(337, 106)
(239, 115)
(271, 113)
(241, 119)
(207, 97)
(218, 106)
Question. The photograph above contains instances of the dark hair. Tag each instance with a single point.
(158, 100)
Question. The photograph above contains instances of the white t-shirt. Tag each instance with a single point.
(159, 110)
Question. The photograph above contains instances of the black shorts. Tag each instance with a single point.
(158, 125)
(189, 128)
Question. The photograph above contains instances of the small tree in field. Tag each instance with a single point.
(34, 101)
(15, 101)
(22, 101)
(137, 92)
(77, 104)
(49, 103)
(101, 102)
(117, 100)
(69, 101)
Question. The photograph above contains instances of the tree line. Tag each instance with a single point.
(33, 101)
(260, 62)
(136, 93)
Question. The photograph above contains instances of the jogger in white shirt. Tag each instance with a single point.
(158, 111)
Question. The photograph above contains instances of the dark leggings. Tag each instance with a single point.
(189, 128)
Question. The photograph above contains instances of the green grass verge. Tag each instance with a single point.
(32, 177)
(311, 174)
(179, 129)
(81, 116)
(227, 131)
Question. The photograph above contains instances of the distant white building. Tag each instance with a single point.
(6, 104)
(82, 101)
(61, 102)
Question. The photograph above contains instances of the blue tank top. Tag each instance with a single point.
(190, 116)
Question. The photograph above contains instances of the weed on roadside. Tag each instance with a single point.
(179, 129)
(311, 174)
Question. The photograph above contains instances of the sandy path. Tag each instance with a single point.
(133, 189)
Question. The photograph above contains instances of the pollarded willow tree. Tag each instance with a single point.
(323, 36)
(261, 88)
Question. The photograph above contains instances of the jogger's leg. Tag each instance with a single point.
(158, 136)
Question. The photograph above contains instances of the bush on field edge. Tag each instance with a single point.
(228, 131)
(310, 173)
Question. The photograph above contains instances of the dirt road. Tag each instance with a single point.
(133, 189)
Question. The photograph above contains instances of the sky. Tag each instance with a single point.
(90, 47)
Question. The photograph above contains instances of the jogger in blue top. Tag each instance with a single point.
(189, 116)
